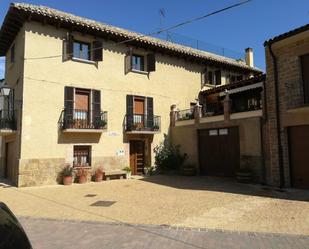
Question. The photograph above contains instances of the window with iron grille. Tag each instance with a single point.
(82, 156)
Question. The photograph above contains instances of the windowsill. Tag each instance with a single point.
(84, 61)
(82, 167)
(140, 72)
(209, 85)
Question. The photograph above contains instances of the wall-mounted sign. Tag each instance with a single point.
(213, 132)
(223, 131)
(113, 134)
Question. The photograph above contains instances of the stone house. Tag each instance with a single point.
(287, 98)
(89, 94)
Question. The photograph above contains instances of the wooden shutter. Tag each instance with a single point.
(151, 62)
(218, 77)
(128, 62)
(150, 117)
(97, 50)
(96, 108)
(68, 106)
(305, 76)
(129, 111)
(69, 46)
(204, 76)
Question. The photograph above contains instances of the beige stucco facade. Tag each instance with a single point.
(41, 149)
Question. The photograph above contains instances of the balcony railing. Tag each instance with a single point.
(245, 105)
(82, 119)
(185, 114)
(142, 123)
(213, 109)
(7, 120)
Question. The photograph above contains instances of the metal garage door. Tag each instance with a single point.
(219, 153)
(299, 155)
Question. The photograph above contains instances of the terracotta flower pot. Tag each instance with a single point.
(98, 177)
(67, 180)
(82, 179)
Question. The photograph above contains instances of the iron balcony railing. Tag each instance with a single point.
(7, 120)
(212, 109)
(185, 114)
(82, 119)
(142, 122)
(245, 105)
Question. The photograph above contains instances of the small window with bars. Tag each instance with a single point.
(82, 156)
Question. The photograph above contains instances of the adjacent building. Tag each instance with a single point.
(89, 94)
(287, 98)
(261, 123)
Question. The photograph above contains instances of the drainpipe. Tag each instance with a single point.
(280, 151)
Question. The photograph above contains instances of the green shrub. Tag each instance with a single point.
(168, 157)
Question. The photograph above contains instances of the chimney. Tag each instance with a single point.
(249, 57)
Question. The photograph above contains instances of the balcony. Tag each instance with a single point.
(7, 122)
(213, 109)
(246, 105)
(142, 124)
(82, 121)
(185, 114)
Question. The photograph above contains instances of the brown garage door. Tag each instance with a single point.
(299, 155)
(219, 153)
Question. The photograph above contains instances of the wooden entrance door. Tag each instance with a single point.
(219, 151)
(139, 111)
(9, 168)
(299, 156)
(137, 156)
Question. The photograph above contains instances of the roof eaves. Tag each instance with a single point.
(126, 34)
(287, 34)
(250, 81)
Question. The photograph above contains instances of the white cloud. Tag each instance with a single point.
(2, 67)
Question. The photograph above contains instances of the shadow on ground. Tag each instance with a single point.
(228, 185)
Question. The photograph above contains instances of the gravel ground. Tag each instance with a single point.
(198, 202)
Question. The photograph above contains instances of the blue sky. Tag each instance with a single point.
(246, 26)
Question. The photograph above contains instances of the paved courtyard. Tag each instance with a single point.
(180, 202)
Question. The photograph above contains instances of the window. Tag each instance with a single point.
(305, 76)
(138, 62)
(210, 78)
(12, 52)
(82, 156)
(81, 50)
(218, 77)
(82, 108)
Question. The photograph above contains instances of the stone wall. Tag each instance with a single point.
(36, 172)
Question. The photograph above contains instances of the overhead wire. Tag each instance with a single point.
(156, 32)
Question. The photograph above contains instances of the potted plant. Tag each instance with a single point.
(244, 174)
(82, 174)
(98, 175)
(100, 123)
(148, 170)
(156, 127)
(128, 172)
(67, 174)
